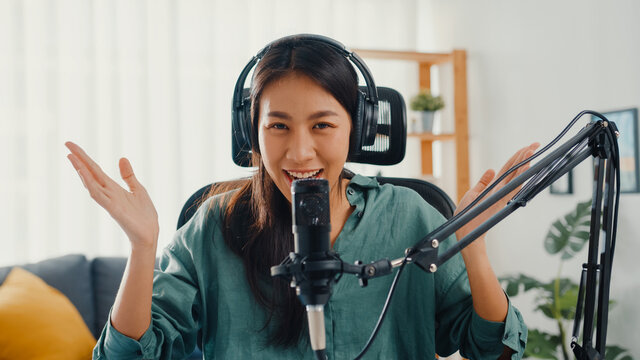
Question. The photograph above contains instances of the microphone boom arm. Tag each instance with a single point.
(593, 140)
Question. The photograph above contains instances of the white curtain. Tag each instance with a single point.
(150, 80)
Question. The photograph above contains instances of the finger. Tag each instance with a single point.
(534, 146)
(484, 181)
(126, 172)
(516, 159)
(527, 153)
(522, 155)
(76, 165)
(91, 165)
(507, 165)
(473, 193)
(526, 166)
(530, 150)
(74, 161)
(95, 190)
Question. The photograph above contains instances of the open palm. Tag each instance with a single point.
(133, 210)
(484, 182)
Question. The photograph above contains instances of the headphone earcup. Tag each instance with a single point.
(355, 145)
(246, 122)
(241, 132)
(369, 123)
(364, 125)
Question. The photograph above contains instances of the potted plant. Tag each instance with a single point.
(557, 299)
(427, 104)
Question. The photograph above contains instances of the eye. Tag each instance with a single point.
(322, 126)
(277, 126)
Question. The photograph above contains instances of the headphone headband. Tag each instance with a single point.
(372, 92)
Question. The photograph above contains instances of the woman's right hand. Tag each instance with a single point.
(133, 210)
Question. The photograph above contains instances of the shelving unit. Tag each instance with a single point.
(461, 133)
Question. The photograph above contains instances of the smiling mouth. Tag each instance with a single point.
(297, 175)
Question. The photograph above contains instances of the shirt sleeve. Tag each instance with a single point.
(460, 327)
(175, 310)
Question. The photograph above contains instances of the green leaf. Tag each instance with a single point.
(425, 101)
(512, 284)
(614, 352)
(542, 345)
(547, 310)
(568, 235)
(567, 303)
(512, 289)
(567, 298)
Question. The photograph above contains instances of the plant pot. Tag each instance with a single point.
(427, 120)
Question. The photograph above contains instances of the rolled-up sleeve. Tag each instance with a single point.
(175, 312)
(512, 333)
(459, 327)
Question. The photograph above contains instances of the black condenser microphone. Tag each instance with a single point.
(311, 230)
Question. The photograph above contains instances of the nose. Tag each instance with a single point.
(301, 147)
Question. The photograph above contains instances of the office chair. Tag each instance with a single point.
(388, 149)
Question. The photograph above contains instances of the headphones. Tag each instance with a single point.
(364, 124)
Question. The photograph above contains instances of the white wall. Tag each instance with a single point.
(532, 66)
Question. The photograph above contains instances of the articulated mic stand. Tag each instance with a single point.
(598, 140)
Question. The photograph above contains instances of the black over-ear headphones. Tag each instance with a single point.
(364, 124)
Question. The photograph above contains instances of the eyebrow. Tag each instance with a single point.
(316, 115)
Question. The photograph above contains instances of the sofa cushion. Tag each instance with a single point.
(37, 321)
(106, 273)
(71, 275)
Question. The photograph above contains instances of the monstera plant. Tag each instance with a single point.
(557, 298)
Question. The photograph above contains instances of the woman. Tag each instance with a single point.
(214, 286)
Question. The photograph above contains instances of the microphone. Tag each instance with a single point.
(313, 267)
(311, 230)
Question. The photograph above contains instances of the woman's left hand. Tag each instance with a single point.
(484, 182)
(489, 301)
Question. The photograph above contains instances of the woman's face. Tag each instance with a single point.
(303, 132)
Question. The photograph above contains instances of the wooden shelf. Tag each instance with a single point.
(431, 58)
(461, 133)
(433, 137)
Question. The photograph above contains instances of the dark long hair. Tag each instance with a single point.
(258, 202)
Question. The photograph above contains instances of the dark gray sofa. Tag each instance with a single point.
(91, 285)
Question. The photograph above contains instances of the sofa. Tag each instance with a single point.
(90, 284)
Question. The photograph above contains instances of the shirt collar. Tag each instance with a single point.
(364, 182)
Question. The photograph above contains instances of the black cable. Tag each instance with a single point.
(616, 163)
(384, 310)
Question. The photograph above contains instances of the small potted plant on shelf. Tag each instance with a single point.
(427, 104)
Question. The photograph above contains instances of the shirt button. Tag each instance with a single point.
(506, 336)
(350, 191)
(360, 213)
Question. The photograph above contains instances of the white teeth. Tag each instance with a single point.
(304, 175)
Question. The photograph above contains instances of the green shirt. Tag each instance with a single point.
(200, 295)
